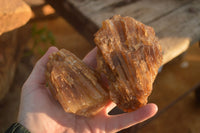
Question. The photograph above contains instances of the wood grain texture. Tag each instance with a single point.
(176, 22)
(142, 10)
(178, 30)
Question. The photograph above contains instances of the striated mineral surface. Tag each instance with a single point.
(128, 57)
(74, 84)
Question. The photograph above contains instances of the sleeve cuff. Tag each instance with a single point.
(17, 128)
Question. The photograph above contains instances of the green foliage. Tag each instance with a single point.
(42, 35)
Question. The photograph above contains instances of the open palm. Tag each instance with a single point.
(40, 113)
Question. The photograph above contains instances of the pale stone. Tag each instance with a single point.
(13, 14)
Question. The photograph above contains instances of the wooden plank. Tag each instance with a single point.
(142, 10)
(95, 6)
(175, 22)
(86, 15)
(178, 30)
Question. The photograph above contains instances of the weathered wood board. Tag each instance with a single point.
(178, 30)
(176, 22)
(142, 10)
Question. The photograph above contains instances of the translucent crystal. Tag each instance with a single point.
(128, 59)
(129, 56)
(74, 84)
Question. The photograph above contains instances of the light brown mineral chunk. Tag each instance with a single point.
(129, 56)
(74, 84)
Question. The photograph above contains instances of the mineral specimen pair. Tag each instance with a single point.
(128, 57)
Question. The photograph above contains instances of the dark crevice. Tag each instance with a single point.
(122, 3)
(118, 4)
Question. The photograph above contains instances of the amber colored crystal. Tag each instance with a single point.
(74, 84)
(129, 57)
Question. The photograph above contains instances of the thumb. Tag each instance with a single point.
(119, 122)
(37, 76)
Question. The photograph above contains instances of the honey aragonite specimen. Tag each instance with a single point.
(74, 84)
(129, 56)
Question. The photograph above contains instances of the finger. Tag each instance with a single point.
(109, 107)
(90, 58)
(122, 121)
(37, 76)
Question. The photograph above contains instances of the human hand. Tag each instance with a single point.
(40, 113)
